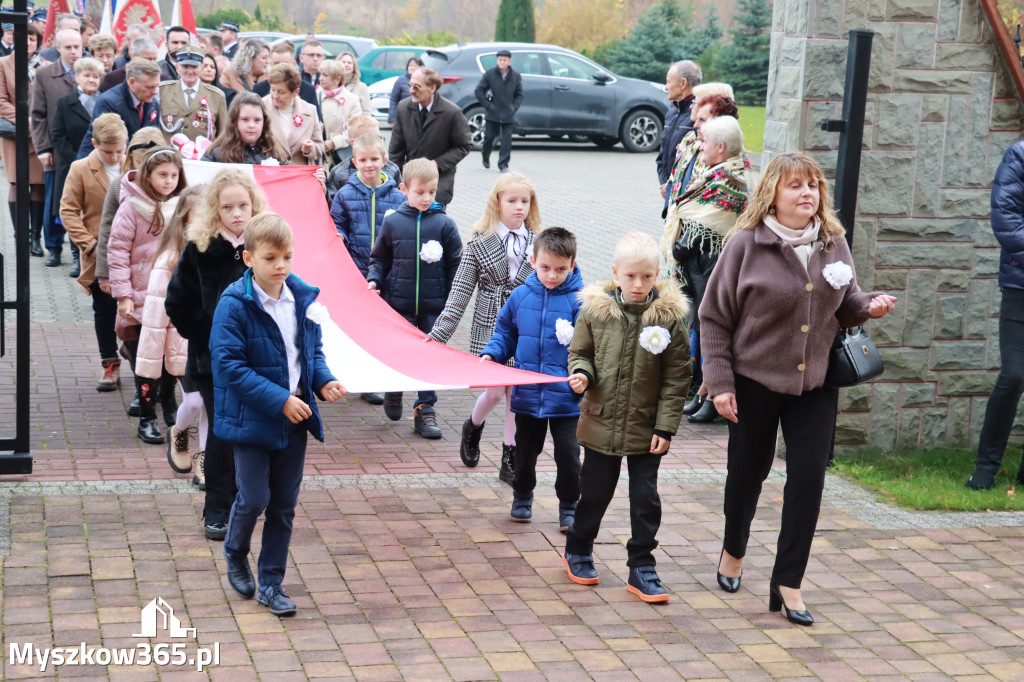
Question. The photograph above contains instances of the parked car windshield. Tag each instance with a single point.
(435, 60)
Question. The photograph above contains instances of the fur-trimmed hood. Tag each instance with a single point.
(668, 304)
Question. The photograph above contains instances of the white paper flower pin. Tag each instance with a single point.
(270, 162)
(431, 251)
(388, 212)
(563, 331)
(838, 274)
(317, 312)
(654, 339)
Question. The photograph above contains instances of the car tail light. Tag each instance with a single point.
(451, 79)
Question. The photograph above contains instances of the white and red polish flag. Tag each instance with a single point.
(181, 15)
(369, 347)
(128, 12)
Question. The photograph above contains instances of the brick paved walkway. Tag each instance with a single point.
(405, 564)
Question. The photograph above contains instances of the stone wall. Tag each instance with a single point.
(941, 112)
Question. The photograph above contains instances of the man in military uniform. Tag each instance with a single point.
(188, 105)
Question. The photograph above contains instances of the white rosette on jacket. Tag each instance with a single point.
(654, 339)
(317, 312)
(431, 251)
(838, 274)
(563, 331)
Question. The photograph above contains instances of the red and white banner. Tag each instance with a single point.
(369, 347)
(181, 15)
(130, 12)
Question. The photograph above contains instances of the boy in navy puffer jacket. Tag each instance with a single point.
(413, 266)
(359, 207)
(268, 368)
(536, 325)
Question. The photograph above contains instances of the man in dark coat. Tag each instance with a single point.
(133, 32)
(134, 101)
(1008, 225)
(500, 92)
(680, 81)
(229, 32)
(53, 82)
(431, 127)
(177, 38)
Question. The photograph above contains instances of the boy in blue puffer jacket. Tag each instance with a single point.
(359, 207)
(413, 266)
(268, 366)
(536, 325)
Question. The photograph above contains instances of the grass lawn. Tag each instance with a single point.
(932, 479)
(752, 123)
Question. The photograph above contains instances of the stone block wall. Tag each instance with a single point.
(941, 112)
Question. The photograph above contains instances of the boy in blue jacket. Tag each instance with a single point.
(267, 360)
(413, 265)
(536, 325)
(359, 207)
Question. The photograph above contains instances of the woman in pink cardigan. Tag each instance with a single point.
(148, 199)
(783, 286)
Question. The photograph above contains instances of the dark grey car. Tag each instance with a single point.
(564, 93)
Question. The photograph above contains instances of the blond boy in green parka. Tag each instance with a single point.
(630, 357)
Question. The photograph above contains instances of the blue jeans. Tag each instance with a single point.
(1002, 403)
(53, 232)
(424, 322)
(268, 480)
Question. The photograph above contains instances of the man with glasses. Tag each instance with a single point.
(311, 57)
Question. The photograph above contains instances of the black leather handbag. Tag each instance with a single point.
(853, 359)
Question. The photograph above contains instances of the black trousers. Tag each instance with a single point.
(598, 479)
(807, 423)
(104, 314)
(530, 435)
(491, 130)
(219, 463)
(696, 270)
(1002, 403)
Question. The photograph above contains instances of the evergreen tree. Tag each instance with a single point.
(744, 63)
(515, 22)
(658, 39)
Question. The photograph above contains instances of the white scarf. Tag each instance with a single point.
(802, 241)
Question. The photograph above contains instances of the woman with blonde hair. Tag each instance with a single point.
(249, 67)
(210, 262)
(784, 285)
(352, 80)
(495, 261)
(338, 106)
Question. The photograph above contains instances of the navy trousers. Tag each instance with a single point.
(424, 322)
(1002, 403)
(53, 232)
(268, 482)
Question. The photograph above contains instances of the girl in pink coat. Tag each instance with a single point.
(161, 348)
(149, 197)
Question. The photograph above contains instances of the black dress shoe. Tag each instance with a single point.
(53, 260)
(705, 415)
(980, 480)
(240, 576)
(373, 398)
(35, 248)
(776, 603)
(693, 405)
(273, 596)
(149, 432)
(725, 582)
(133, 409)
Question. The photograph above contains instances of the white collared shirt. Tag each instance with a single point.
(429, 106)
(515, 247)
(283, 311)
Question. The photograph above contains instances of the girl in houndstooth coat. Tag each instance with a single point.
(494, 261)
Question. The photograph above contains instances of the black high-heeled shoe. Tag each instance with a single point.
(725, 582)
(777, 603)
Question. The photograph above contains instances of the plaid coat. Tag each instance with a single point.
(483, 265)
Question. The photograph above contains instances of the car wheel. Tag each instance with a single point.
(604, 142)
(477, 122)
(640, 131)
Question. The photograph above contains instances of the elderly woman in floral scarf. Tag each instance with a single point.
(698, 222)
